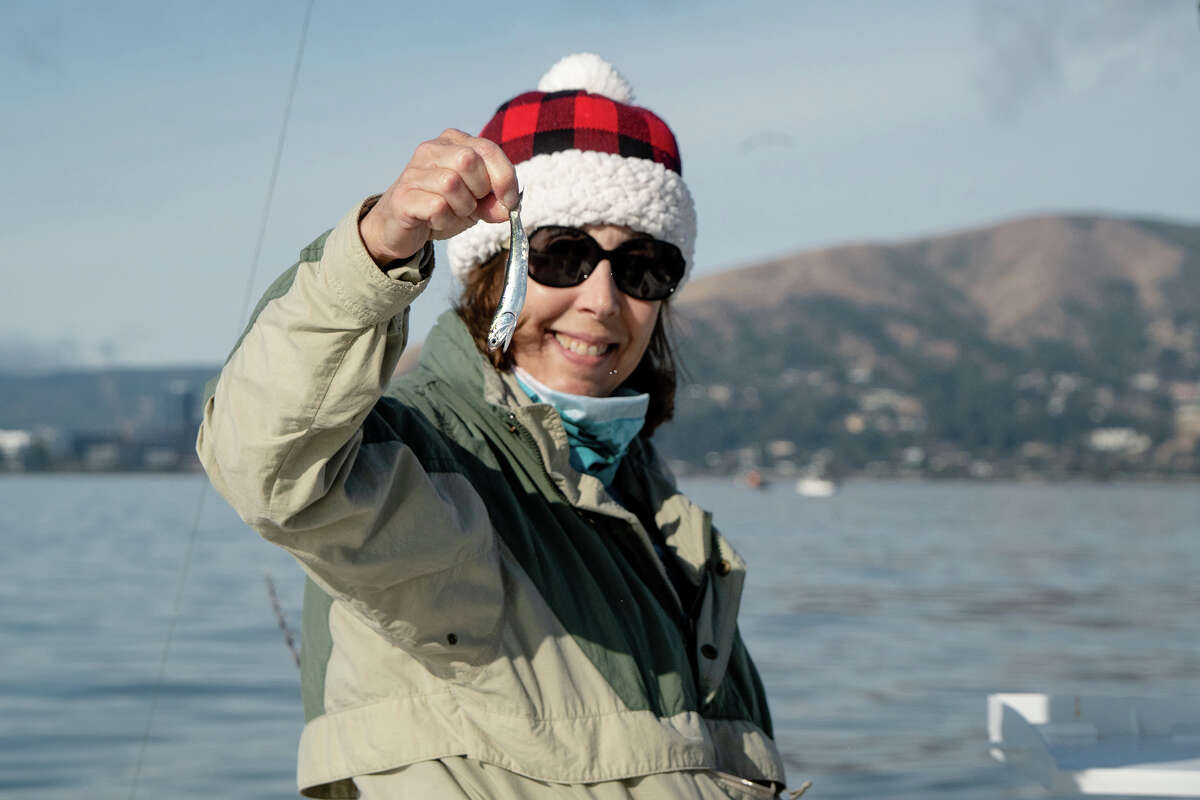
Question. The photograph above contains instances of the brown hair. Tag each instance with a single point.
(654, 374)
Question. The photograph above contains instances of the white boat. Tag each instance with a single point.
(1087, 745)
(816, 487)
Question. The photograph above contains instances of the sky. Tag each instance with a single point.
(139, 137)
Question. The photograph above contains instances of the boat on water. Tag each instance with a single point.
(755, 480)
(813, 486)
(1078, 745)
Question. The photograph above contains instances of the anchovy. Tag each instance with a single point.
(516, 272)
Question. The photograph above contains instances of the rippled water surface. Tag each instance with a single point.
(880, 619)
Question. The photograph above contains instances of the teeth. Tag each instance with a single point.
(576, 346)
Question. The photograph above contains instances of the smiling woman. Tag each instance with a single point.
(604, 336)
(586, 338)
(508, 596)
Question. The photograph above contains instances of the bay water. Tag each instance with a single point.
(880, 619)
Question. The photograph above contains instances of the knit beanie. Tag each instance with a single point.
(585, 155)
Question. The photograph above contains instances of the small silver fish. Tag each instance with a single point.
(516, 273)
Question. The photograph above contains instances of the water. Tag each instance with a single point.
(880, 619)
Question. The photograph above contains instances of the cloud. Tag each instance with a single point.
(1033, 49)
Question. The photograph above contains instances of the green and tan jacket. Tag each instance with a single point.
(471, 595)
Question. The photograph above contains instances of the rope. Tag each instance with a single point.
(156, 691)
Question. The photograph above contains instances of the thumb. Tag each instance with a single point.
(490, 209)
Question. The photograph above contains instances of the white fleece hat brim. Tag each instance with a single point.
(585, 187)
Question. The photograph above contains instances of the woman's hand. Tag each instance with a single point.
(450, 183)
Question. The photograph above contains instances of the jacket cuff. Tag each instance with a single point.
(422, 260)
(361, 286)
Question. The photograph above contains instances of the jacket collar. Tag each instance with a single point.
(451, 355)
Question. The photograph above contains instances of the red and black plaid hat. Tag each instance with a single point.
(585, 155)
(537, 123)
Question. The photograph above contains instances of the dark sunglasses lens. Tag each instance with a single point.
(561, 257)
(648, 269)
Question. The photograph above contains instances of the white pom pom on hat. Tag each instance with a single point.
(589, 72)
(585, 155)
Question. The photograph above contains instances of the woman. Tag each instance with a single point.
(507, 596)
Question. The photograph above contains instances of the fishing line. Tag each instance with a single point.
(156, 691)
(177, 604)
(288, 639)
(266, 212)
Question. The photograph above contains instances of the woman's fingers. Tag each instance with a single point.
(436, 211)
(449, 184)
(501, 176)
(458, 158)
(446, 183)
(491, 209)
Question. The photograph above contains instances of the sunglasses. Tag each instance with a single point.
(645, 268)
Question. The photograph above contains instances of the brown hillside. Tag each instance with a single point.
(1014, 277)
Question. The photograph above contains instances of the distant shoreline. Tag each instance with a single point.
(1185, 479)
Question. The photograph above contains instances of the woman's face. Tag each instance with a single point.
(584, 339)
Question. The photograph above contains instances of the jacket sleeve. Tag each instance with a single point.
(282, 440)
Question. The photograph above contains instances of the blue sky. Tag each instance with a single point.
(139, 136)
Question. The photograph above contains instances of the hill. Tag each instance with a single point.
(1022, 345)
(101, 419)
(118, 399)
(1053, 345)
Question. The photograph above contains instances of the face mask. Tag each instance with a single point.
(599, 429)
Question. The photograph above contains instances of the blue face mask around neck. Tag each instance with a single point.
(599, 429)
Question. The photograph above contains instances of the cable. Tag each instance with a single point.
(266, 212)
(156, 692)
(176, 606)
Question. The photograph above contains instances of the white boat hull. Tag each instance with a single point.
(1086, 745)
(815, 487)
